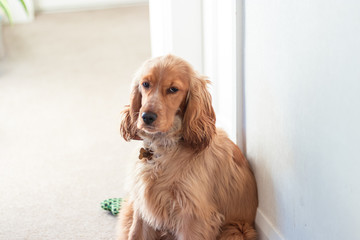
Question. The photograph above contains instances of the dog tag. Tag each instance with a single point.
(145, 153)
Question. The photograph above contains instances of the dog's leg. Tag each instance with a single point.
(132, 227)
(126, 220)
(200, 228)
(140, 230)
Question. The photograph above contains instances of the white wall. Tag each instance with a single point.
(18, 13)
(302, 79)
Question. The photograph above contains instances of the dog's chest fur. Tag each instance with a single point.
(157, 189)
(164, 184)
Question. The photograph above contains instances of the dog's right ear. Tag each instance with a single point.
(130, 115)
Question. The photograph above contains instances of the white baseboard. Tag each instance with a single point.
(266, 230)
(69, 5)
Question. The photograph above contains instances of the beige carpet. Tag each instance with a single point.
(63, 82)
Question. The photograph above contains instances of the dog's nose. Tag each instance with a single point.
(149, 117)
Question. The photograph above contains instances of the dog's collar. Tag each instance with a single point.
(145, 153)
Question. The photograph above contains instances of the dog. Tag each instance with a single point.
(190, 181)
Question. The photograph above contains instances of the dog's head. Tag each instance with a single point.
(163, 88)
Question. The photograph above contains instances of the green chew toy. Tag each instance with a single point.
(113, 205)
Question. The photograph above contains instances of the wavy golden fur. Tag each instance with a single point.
(197, 185)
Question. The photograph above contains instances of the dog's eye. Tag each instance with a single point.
(173, 90)
(146, 84)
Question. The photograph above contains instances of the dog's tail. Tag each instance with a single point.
(238, 230)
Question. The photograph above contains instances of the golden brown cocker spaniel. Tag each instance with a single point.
(191, 181)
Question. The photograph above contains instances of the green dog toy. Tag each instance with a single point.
(113, 205)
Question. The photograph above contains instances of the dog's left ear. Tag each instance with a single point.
(199, 117)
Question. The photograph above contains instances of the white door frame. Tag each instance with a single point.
(176, 27)
(206, 33)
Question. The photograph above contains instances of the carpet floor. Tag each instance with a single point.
(63, 82)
